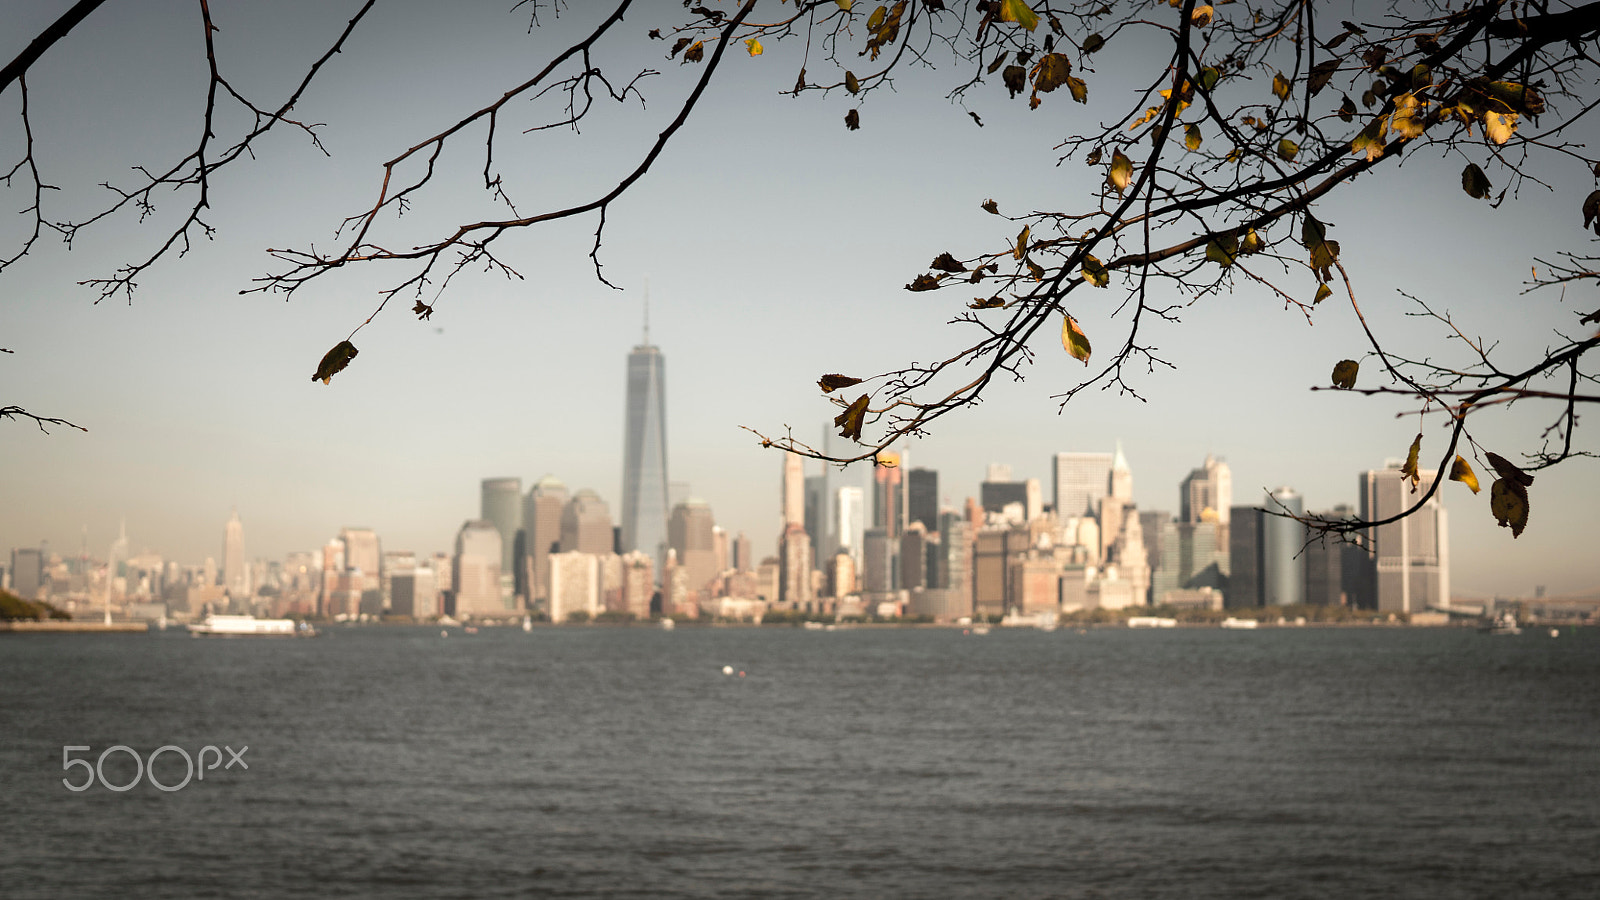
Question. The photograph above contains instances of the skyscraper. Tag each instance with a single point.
(1283, 566)
(477, 570)
(690, 534)
(922, 501)
(502, 505)
(541, 527)
(644, 452)
(1081, 479)
(235, 577)
(887, 510)
(586, 525)
(1407, 566)
(1208, 488)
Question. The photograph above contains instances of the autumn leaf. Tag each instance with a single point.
(1508, 471)
(1015, 79)
(1288, 150)
(1406, 120)
(423, 310)
(1251, 242)
(1020, 13)
(754, 46)
(1320, 75)
(1093, 43)
(1477, 186)
(831, 383)
(851, 84)
(1051, 72)
(1222, 249)
(1280, 86)
(923, 283)
(1460, 471)
(1022, 244)
(1323, 293)
(844, 4)
(334, 361)
(986, 303)
(1344, 374)
(1313, 234)
(851, 419)
(1347, 109)
(678, 45)
(1191, 137)
(852, 120)
(1201, 17)
(1074, 340)
(875, 21)
(945, 262)
(696, 52)
(1121, 171)
(1079, 89)
(1409, 470)
(1508, 501)
(989, 206)
(1591, 211)
(1499, 126)
(1209, 76)
(1371, 139)
(1094, 272)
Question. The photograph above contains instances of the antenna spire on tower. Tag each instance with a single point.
(647, 311)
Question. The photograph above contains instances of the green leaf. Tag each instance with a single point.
(1074, 340)
(334, 361)
(1344, 373)
(1209, 77)
(1019, 12)
(1475, 183)
(1191, 136)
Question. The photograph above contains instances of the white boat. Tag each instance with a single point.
(814, 626)
(1504, 623)
(668, 624)
(1151, 622)
(980, 629)
(246, 626)
(527, 623)
(1231, 622)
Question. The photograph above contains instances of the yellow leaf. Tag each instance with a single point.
(1121, 171)
(1371, 139)
(754, 46)
(1051, 72)
(1409, 470)
(1074, 340)
(1288, 150)
(1407, 118)
(1222, 249)
(1191, 136)
(1508, 500)
(1251, 242)
(875, 21)
(1079, 88)
(850, 83)
(1201, 17)
(1323, 293)
(1022, 244)
(1020, 13)
(1280, 86)
(1344, 373)
(696, 52)
(1499, 126)
(844, 4)
(1094, 272)
(851, 419)
(1460, 471)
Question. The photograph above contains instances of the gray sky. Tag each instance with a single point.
(776, 245)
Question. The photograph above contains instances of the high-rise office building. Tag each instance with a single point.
(1283, 566)
(541, 527)
(850, 520)
(574, 585)
(794, 490)
(1407, 562)
(887, 503)
(1245, 556)
(690, 535)
(922, 498)
(502, 505)
(1121, 484)
(477, 570)
(1081, 479)
(1207, 491)
(586, 525)
(27, 572)
(235, 576)
(1325, 563)
(363, 556)
(644, 457)
(914, 548)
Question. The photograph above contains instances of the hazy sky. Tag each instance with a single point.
(775, 243)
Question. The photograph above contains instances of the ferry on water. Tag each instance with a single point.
(249, 626)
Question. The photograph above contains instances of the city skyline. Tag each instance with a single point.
(197, 399)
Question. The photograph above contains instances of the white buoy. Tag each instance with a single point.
(727, 670)
(1555, 632)
(443, 633)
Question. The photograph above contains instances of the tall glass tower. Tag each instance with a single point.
(644, 452)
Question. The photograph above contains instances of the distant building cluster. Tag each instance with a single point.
(888, 547)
